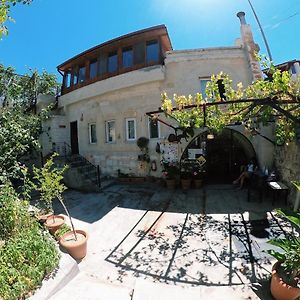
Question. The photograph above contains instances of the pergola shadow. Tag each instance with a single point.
(202, 248)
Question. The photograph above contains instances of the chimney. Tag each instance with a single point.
(250, 47)
(241, 16)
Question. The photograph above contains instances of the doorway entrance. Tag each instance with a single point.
(74, 137)
(224, 154)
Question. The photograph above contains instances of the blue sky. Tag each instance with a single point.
(48, 32)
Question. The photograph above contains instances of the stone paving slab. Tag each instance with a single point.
(145, 290)
(195, 240)
(85, 287)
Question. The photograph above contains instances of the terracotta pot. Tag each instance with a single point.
(171, 184)
(53, 226)
(198, 183)
(281, 290)
(77, 249)
(43, 218)
(186, 184)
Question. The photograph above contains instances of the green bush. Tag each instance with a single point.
(25, 260)
(13, 213)
(27, 253)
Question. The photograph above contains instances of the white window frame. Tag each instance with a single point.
(203, 79)
(127, 133)
(107, 133)
(149, 131)
(90, 133)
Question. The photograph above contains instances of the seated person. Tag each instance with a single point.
(247, 173)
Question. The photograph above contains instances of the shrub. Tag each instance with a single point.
(27, 253)
(24, 261)
(13, 213)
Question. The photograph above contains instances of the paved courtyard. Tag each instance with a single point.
(148, 242)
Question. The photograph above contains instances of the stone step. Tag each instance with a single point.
(86, 287)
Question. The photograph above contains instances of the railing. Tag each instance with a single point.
(65, 150)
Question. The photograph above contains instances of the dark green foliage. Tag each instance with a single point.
(27, 253)
(25, 259)
(290, 254)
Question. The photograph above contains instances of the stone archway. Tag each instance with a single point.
(224, 154)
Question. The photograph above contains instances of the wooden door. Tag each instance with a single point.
(74, 137)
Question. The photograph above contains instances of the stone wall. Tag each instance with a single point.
(287, 162)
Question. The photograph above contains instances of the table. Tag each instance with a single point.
(278, 188)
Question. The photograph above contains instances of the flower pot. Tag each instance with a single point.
(171, 184)
(186, 184)
(77, 249)
(53, 225)
(44, 217)
(198, 183)
(281, 290)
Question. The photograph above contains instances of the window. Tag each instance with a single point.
(221, 88)
(130, 129)
(203, 83)
(75, 76)
(152, 51)
(127, 57)
(81, 74)
(112, 62)
(110, 127)
(293, 69)
(102, 64)
(139, 53)
(93, 69)
(67, 79)
(92, 133)
(153, 128)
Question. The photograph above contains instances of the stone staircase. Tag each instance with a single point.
(81, 175)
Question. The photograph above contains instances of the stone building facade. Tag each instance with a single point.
(107, 91)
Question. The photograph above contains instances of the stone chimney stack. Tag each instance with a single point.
(250, 47)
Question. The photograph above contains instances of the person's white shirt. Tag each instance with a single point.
(250, 168)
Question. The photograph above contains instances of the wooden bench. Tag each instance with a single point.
(278, 188)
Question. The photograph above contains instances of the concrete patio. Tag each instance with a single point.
(147, 242)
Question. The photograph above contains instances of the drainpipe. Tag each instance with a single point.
(250, 47)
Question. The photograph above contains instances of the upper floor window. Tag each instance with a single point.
(81, 74)
(102, 64)
(93, 69)
(110, 128)
(130, 129)
(67, 79)
(153, 128)
(112, 62)
(139, 53)
(75, 76)
(203, 83)
(92, 133)
(127, 57)
(152, 51)
(221, 88)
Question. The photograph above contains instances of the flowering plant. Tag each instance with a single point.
(170, 169)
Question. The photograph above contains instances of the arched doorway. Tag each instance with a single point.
(224, 154)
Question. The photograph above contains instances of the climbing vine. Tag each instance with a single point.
(274, 99)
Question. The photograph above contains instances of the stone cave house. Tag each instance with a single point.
(108, 89)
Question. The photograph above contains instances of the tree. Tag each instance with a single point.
(20, 127)
(276, 99)
(5, 6)
(24, 89)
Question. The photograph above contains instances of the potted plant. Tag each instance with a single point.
(285, 283)
(170, 172)
(74, 241)
(49, 186)
(198, 175)
(185, 177)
